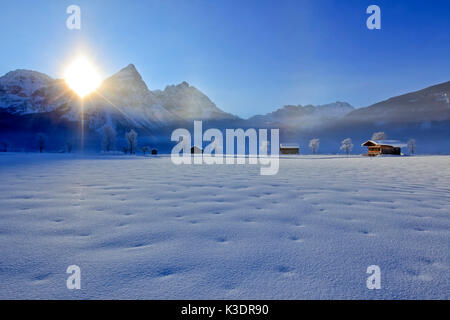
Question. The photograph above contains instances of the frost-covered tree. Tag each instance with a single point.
(41, 141)
(145, 149)
(131, 137)
(314, 145)
(412, 146)
(108, 138)
(379, 136)
(347, 145)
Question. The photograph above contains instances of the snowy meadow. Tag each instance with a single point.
(144, 228)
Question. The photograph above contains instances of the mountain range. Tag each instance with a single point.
(122, 98)
(33, 102)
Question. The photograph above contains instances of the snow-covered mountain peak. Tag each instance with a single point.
(130, 97)
(189, 103)
(129, 71)
(24, 82)
(335, 109)
(128, 79)
(26, 91)
(183, 86)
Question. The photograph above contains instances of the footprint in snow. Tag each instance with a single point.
(221, 239)
(295, 238)
(283, 269)
(42, 277)
(165, 272)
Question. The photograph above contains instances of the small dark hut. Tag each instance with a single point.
(289, 149)
(196, 150)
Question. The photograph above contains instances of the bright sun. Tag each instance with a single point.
(82, 77)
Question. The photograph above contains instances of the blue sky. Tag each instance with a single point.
(250, 57)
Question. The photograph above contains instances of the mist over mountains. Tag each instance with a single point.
(304, 117)
(32, 102)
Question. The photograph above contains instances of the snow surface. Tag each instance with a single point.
(145, 228)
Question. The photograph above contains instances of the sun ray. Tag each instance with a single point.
(122, 112)
(115, 107)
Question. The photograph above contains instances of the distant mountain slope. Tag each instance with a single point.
(303, 116)
(188, 103)
(429, 104)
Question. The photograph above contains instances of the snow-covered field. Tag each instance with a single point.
(145, 228)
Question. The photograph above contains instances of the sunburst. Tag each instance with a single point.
(82, 77)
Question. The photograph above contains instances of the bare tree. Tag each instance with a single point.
(131, 137)
(347, 145)
(41, 141)
(379, 136)
(145, 149)
(108, 138)
(69, 146)
(314, 145)
(412, 146)
(4, 145)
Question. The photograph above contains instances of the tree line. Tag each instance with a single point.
(109, 137)
(347, 144)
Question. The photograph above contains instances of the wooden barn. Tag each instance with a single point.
(378, 147)
(196, 150)
(289, 149)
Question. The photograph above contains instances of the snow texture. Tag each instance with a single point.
(141, 227)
